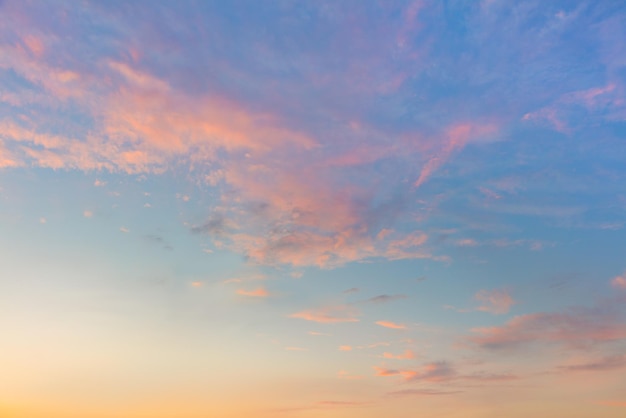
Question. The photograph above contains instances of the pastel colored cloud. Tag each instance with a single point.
(619, 282)
(259, 292)
(406, 355)
(496, 302)
(576, 327)
(609, 363)
(431, 372)
(389, 324)
(329, 315)
(385, 298)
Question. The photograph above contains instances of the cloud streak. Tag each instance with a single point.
(329, 315)
(390, 324)
(576, 327)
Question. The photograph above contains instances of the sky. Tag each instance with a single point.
(312, 209)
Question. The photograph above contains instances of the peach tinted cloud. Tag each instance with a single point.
(432, 372)
(407, 355)
(259, 292)
(329, 315)
(619, 282)
(575, 328)
(143, 124)
(497, 302)
(389, 324)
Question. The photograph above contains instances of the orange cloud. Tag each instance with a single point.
(345, 348)
(455, 138)
(408, 354)
(432, 372)
(389, 324)
(259, 292)
(328, 315)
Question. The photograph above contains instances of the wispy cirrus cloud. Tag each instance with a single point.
(575, 327)
(384, 299)
(406, 355)
(608, 363)
(329, 314)
(496, 302)
(390, 324)
(259, 292)
(432, 372)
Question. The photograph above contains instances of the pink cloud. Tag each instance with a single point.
(144, 123)
(432, 372)
(496, 302)
(604, 364)
(259, 292)
(329, 315)
(408, 354)
(466, 242)
(575, 328)
(389, 324)
(619, 282)
(456, 137)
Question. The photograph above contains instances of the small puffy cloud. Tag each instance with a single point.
(88, 214)
(619, 282)
(494, 301)
(197, 284)
(351, 290)
(259, 292)
(329, 315)
(345, 348)
(389, 324)
(42, 220)
(99, 183)
(124, 229)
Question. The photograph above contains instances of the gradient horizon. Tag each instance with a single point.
(312, 209)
